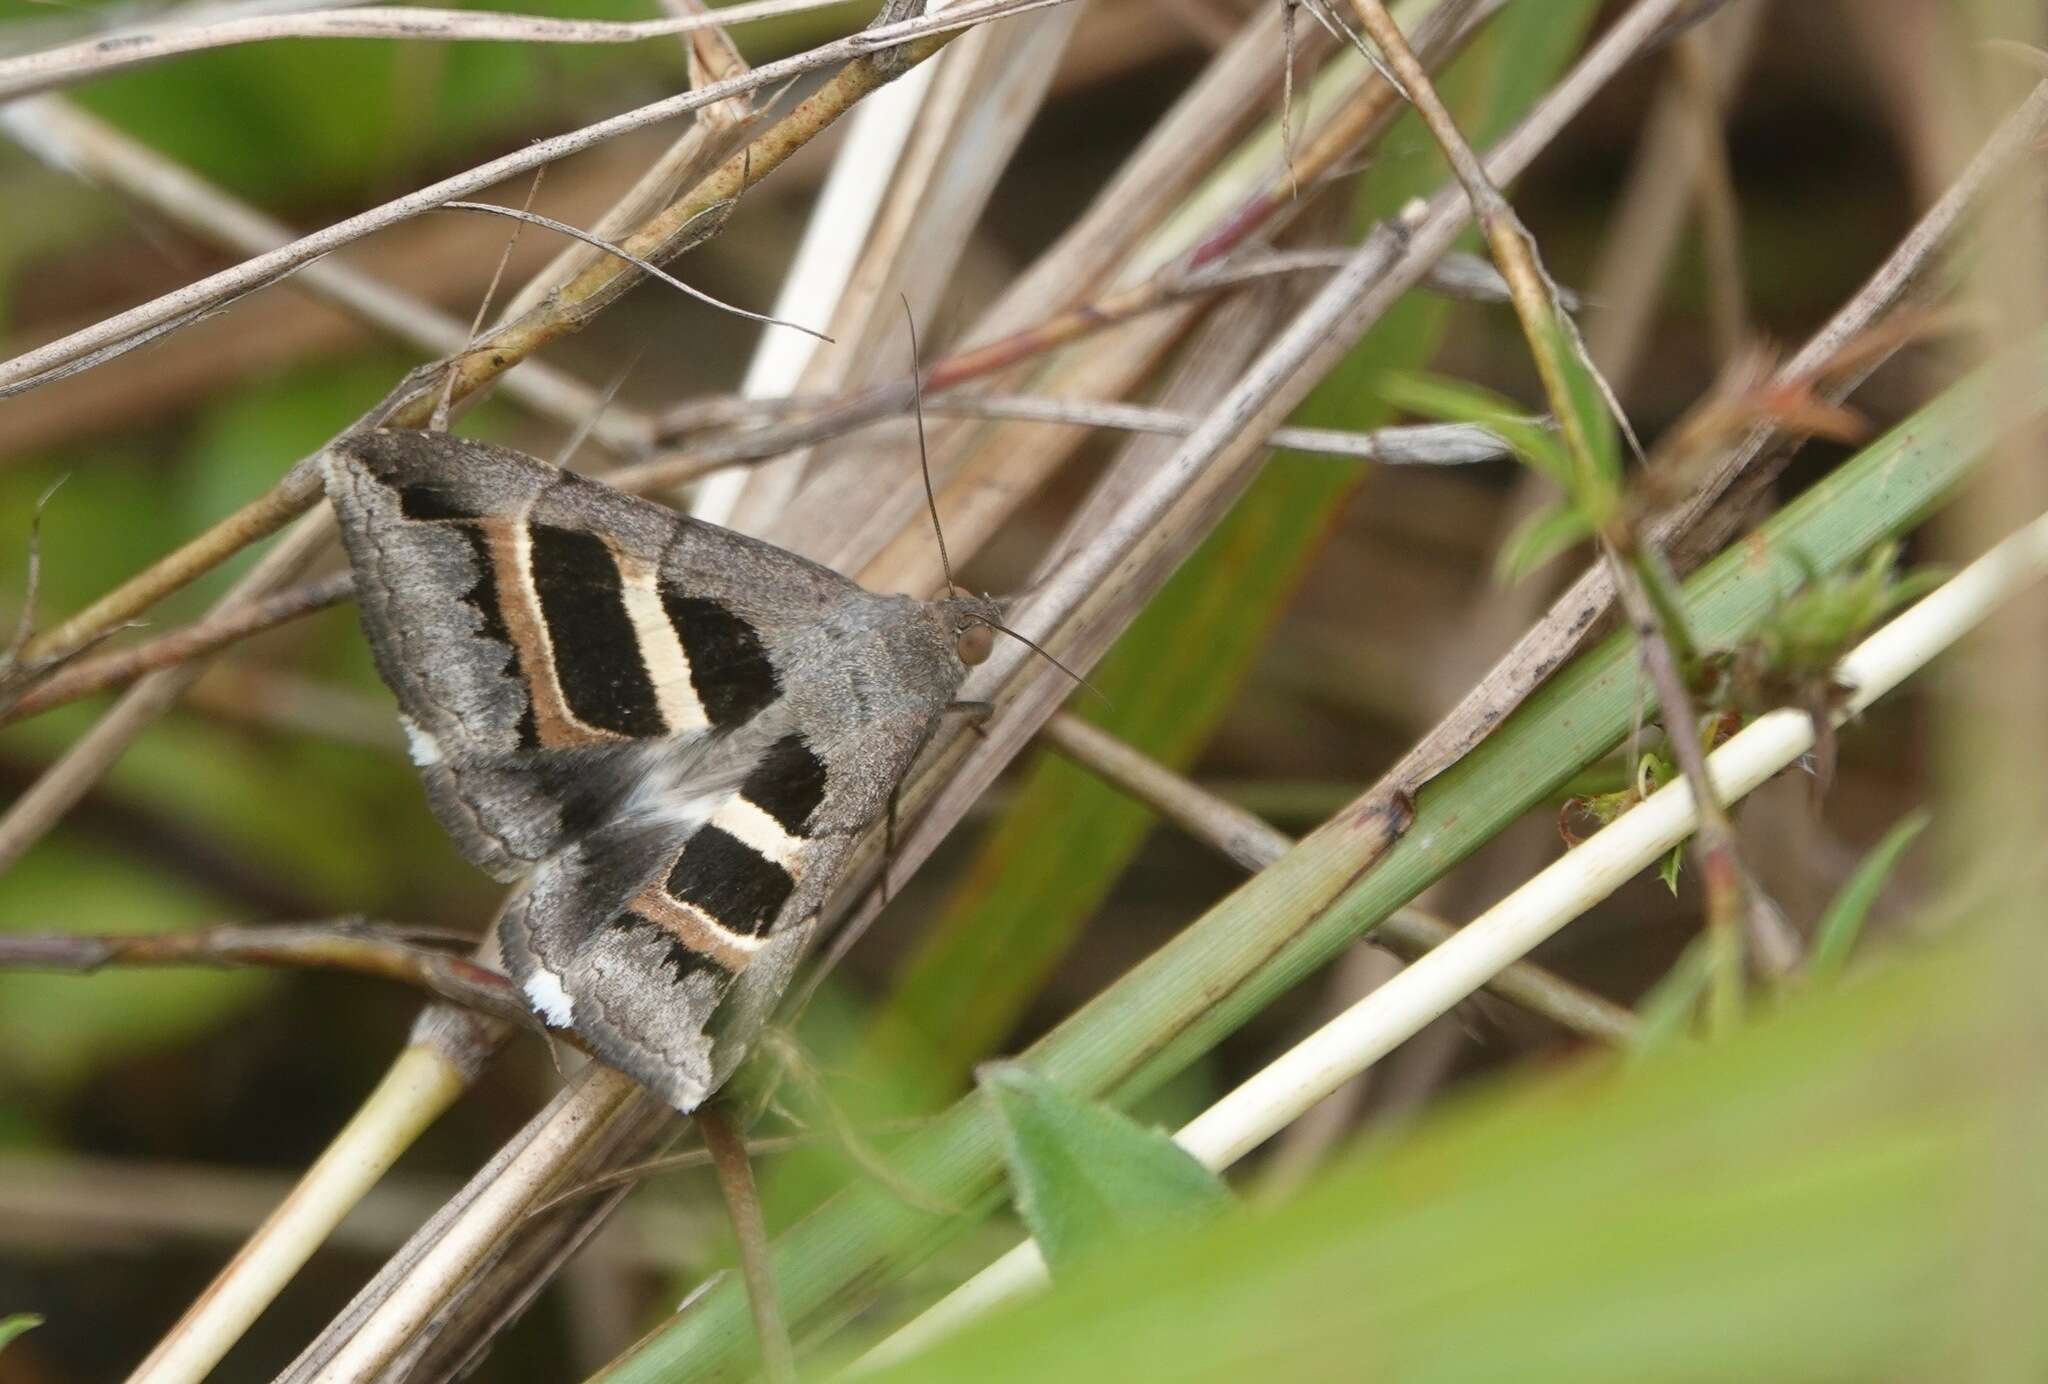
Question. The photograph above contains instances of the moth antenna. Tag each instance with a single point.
(1040, 651)
(924, 459)
(589, 424)
(445, 404)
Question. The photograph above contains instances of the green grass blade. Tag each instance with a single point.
(1842, 924)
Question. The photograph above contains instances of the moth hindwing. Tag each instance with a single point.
(672, 733)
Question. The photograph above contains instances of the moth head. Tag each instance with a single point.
(975, 620)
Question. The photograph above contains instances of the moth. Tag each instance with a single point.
(673, 733)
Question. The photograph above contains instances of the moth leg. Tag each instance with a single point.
(730, 1160)
(888, 843)
(977, 714)
(818, 1111)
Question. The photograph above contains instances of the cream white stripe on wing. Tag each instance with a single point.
(739, 818)
(696, 929)
(661, 649)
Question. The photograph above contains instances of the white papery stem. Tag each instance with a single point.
(1332, 1055)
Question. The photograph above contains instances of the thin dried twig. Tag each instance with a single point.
(69, 139)
(821, 419)
(41, 71)
(1691, 528)
(917, 38)
(252, 523)
(1253, 844)
(711, 136)
(83, 763)
(1424, 444)
(86, 676)
(347, 944)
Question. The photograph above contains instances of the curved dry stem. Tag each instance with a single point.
(349, 944)
(85, 676)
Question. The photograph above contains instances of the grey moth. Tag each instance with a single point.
(672, 733)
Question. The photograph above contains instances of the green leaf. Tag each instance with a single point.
(1842, 924)
(1599, 490)
(1541, 537)
(1447, 400)
(1087, 1177)
(13, 1326)
(1668, 869)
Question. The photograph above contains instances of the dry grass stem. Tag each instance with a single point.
(67, 138)
(50, 360)
(743, 1204)
(1253, 844)
(41, 71)
(714, 131)
(350, 944)
(598, 1103)
(85, 676)
(88, 758)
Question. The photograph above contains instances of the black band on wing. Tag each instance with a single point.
(682, 960)
(597, 656)
(739, 887)
(788, 783)
(729, 665)
(483, 597)
(427, 502)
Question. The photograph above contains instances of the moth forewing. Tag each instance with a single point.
(676, 731)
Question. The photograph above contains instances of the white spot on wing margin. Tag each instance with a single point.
(544, 991)
(422, 747)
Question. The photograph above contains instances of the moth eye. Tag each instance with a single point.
(976, 643)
